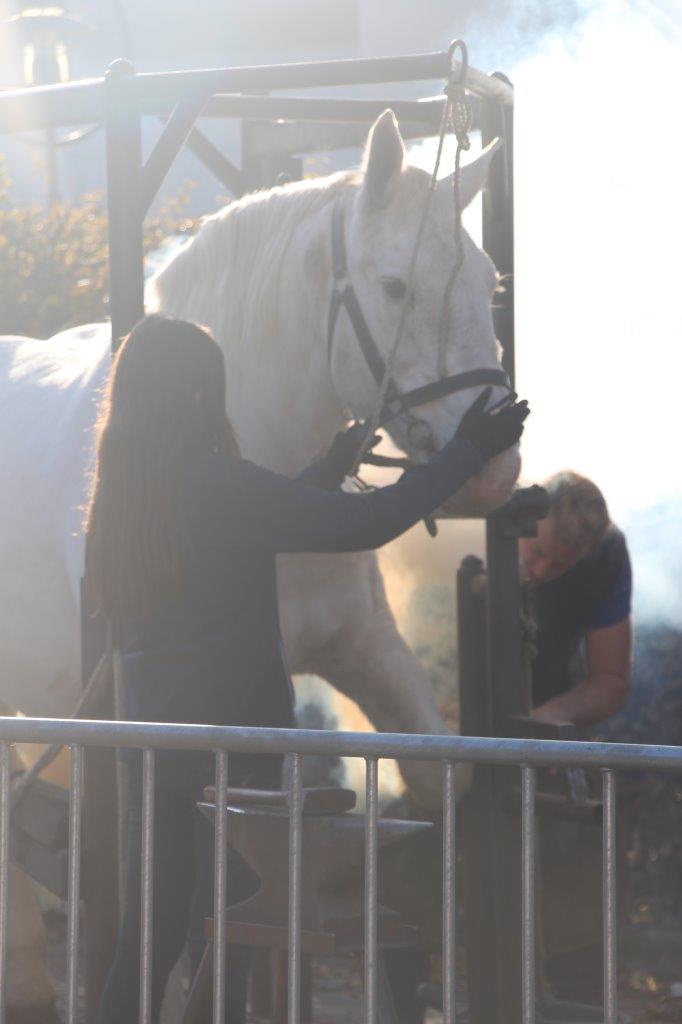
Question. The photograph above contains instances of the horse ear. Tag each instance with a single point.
(384, 154)
(473, 176)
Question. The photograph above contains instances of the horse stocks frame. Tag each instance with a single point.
(276, 130)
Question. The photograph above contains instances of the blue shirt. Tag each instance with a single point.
(594, 594)
(617, 604)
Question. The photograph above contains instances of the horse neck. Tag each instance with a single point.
(280, 394)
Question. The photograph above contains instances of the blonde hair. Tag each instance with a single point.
(578, 509)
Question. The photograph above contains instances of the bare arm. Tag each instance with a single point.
(605, 689)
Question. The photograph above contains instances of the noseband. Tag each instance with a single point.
(397, 402)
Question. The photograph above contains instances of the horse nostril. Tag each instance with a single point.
(420, 435)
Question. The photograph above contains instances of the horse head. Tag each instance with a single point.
(448, 330)
(262, 272)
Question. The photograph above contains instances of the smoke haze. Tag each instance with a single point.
(598, 163)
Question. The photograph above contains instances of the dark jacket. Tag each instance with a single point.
(211, 651)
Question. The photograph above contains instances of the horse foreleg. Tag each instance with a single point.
(368, 660)
(30, 992)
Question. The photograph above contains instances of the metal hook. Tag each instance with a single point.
(458, 44)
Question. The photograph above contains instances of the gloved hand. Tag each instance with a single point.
(344, 448)
(492, 432)
(330, 471)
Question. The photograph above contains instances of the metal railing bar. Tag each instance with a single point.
(609, 898)
(409, 746)
(371, 883)
(147, 895)
(528, 850)
(5, 776)
(82, 101)
(312, 75)
(295, 887)
(220, 890)
(449, 908)
(74, 878)
(426, 112)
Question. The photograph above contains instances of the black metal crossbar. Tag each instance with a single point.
(84, 102)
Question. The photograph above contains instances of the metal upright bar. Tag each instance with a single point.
(295, 887)
(449, 907)
(5, 776)
(220, 889)
(147, 888)
(528, 993)
(73, 896)
(497, 121)
(609, 898)
(371, 888)
(499, 995)
(124, 164)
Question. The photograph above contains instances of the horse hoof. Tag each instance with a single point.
(33, 1015)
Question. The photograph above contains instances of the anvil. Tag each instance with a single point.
(333, 847)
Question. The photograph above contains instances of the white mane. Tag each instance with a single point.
(227, 276)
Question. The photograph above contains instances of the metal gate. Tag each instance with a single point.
(522, 756)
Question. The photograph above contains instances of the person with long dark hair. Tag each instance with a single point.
(181, 539)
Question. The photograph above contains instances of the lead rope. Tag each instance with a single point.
(455, 113)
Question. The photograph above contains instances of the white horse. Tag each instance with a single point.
(259, 274)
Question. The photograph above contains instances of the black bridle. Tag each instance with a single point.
(396, 403)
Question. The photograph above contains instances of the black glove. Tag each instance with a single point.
(330, 471)
(492, 432)
(344, 448)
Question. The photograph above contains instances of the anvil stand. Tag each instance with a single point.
(332, 911)
(495, 700)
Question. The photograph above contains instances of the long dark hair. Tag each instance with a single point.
(165, 398)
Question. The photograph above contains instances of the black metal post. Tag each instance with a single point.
(497, 121)
(489, 833)
(124, 165)
(476, 811)
(126, 300)
(492, 620)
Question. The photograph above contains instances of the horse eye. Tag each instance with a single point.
(394, 288)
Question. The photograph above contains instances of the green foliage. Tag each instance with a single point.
(54, 262)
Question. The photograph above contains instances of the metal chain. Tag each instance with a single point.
(455, 115)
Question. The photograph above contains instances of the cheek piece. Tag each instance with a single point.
(396, 403)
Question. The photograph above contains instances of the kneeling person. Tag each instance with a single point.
(579, 583)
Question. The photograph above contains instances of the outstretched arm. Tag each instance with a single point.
(256, 507)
